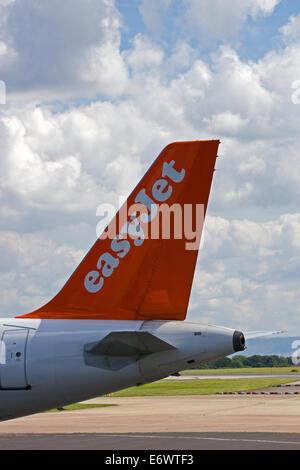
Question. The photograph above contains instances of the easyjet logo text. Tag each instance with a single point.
(133, 232)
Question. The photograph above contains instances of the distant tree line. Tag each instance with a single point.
(251, 361)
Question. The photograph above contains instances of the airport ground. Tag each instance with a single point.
(165, 422)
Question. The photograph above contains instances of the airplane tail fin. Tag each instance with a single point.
(142, 266)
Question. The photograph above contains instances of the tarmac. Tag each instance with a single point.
(171, 422)
(161, 443)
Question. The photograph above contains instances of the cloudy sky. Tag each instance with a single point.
(96, 88)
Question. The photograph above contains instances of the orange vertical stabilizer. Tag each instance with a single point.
(142, 266)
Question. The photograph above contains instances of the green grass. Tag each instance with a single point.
(199, 387)
(82, 406)
(243, 370)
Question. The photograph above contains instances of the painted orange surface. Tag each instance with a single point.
(143, 278)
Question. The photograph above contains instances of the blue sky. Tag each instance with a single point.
(257, 36)
(261, 35)
(95, 90)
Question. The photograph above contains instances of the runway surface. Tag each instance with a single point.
(153, 441)
(208, 422)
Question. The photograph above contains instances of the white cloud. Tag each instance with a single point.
(62, 49)
(144, 54)
(238, 86)
(291, 31)
(62, 160)
(29, 175)
(264, 6)
(33, 268)
(58, 167)
(220, 19)
(248, 274)
(226, 122)
(253, 164)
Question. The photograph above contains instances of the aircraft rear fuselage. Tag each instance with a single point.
(48, 364)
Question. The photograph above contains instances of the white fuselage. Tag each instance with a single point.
(44, 365)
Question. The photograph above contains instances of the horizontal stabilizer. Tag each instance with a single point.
(259, 334)
(128, 343)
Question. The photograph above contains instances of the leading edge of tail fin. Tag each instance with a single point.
(142, 266)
